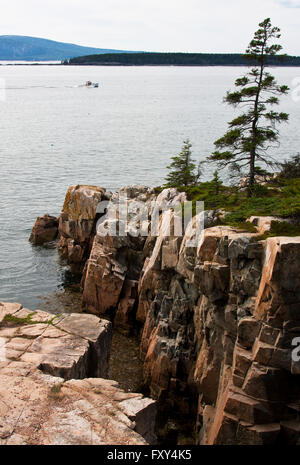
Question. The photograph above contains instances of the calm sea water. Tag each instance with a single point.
(54, 134)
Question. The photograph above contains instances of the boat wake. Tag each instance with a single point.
(92, 85)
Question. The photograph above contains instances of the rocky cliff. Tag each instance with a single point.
(77, 222)
(217, 320)
(220, 323)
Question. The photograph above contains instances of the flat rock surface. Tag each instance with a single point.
(36, 408)
(50, 386)
(70, 346)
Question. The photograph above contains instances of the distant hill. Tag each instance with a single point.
(36, 49)
(176, 59)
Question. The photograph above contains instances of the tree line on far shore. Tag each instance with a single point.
(177, 59)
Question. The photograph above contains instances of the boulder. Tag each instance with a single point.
(104, 279)
(170, 197)
(264, 223)
(44, 230)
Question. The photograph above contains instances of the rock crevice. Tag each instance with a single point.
(217, 319)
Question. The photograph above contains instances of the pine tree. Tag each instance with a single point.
(183, 168)
(216, 182)
(245, 145)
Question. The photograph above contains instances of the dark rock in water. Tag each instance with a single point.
(44, 230)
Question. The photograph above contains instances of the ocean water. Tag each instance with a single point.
(55, 133)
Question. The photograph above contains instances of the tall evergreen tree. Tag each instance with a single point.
(245, 145)
(183, 169)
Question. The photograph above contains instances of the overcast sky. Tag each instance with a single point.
(152, 25)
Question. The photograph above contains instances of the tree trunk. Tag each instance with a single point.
(251, 174)
(254, 123)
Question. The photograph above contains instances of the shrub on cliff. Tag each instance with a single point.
(182, 170)
(216, 182)
(291, 168)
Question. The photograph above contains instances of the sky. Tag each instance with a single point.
(153, 25)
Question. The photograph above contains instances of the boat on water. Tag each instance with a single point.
(91, 84)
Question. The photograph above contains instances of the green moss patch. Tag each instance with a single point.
(9, 318)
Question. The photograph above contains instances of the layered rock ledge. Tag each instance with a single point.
(52, 389)
(218, 320)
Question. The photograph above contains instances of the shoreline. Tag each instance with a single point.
(144, 66)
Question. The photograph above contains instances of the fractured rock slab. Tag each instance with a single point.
(40, 409)
(70, 346)
(51, 392)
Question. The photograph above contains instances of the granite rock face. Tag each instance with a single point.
(51, 390)
(218, 321)
(219, 314)
(114, 259)
(44, 230)
(114, 267)
(77, 222)
(225, 331)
